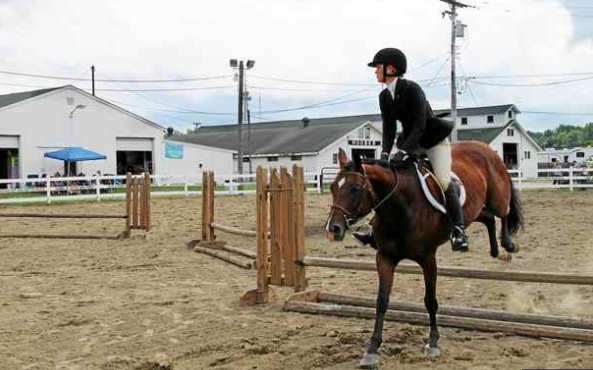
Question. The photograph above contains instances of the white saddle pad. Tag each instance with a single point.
(433, 202)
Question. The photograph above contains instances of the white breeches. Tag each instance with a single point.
(440, 157)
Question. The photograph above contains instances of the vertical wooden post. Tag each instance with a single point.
(141, 202)
(262, 235)
(211, 188)
(288, 227)
(135, 202)
(127, 230)
(148, 207)
(299, 213)
(275, 225)
(205, 205)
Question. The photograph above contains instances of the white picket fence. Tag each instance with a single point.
(52, 189)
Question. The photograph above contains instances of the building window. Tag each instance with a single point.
(464, 121)
(510, 114)
(510, 132)
(272, 159)
(335, 158)
(364, 133)
(296, 157)
(490, 119)
(246, 159)
(527, 154)
(580, 154)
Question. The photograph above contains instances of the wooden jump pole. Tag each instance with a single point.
(460, 272)
(137, 207)
(516, 328)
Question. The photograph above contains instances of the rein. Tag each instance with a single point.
(351, 219)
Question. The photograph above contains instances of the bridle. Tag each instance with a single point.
(350, 218)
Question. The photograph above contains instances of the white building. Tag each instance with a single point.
(35, 122)
(314, 143)
(578, 155)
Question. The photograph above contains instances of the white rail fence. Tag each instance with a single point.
(51, 189)
(59, 189)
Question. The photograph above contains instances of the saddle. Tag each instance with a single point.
(431, 188)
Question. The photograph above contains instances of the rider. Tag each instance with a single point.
(403, 100)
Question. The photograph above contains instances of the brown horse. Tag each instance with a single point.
(406, 226)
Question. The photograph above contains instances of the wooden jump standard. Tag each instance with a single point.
(275, 204)
(137, 216)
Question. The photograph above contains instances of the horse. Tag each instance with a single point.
(406, 226)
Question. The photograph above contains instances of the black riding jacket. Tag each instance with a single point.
(419, 125)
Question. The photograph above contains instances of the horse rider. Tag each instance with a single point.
(403, 100)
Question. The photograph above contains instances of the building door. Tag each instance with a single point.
(364, 153)
(509, 155)
(134, 155)
(9, 158)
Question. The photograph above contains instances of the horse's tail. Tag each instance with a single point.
(515, 216)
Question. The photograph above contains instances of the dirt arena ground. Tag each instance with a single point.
(149, 303)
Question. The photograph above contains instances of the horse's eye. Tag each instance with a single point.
(355, 189)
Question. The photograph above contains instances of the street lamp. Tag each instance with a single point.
(79, 106)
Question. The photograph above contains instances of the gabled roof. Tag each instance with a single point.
(480, 111)
(280, 137)
(10, 99)
(488, 135)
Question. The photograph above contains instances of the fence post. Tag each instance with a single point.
(520, 173)
(48, 189)
(185, 185)
(98, 185)
(570, 178)
(231, 187)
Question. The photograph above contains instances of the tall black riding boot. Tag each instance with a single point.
(363, 238)
(458, 235)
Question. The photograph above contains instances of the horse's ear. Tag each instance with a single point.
(342, 157)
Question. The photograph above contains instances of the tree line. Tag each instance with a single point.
(565, 136)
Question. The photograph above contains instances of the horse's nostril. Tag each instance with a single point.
(336, 229)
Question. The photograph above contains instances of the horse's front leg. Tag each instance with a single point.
(385, 269)
(429, 267)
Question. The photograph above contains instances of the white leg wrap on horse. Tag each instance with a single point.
(440, 157)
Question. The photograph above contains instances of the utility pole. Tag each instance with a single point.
(93, 78)
(240, 120)
(249, 140)
(240, 110)
(453, 16)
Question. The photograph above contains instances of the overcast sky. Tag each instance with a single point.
(314, 42)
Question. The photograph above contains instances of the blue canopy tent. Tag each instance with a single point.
(74, 154)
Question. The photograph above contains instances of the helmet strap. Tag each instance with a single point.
(385, 74)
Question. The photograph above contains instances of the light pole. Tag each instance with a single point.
(241, 66)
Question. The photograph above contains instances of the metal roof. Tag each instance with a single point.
(281, 137)
(14, 98)
(480, 111)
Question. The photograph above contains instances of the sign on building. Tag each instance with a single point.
(173, 151)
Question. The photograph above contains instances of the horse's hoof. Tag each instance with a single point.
(506, 257)
(369, 361)
(515, 248)
(431, 351)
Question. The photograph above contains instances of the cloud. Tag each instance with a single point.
(326, 40)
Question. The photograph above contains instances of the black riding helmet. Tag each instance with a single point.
(391, 56)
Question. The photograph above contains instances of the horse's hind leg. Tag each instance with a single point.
(505, 237)
(487, 218)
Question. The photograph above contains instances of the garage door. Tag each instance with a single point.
(132, 144)
(9, 142)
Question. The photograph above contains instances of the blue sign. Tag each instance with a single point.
(174, 151)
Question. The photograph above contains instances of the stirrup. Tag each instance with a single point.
(459, 240)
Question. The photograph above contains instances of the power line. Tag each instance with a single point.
(438, 72)
(558, 113)
(533, 84)
(171, 89)
(113, 80)
(309, 82)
